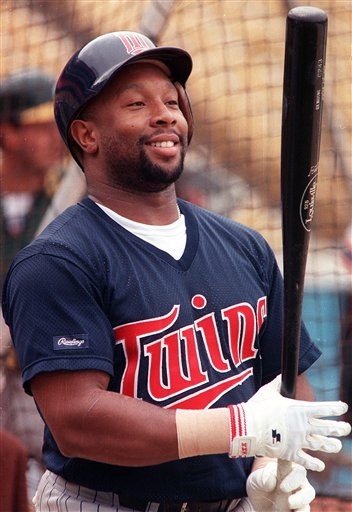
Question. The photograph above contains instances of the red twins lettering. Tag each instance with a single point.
(134, 43)
(177, 353)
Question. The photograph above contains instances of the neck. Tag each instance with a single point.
(156, 209)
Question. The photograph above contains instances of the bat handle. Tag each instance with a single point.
(281, 498)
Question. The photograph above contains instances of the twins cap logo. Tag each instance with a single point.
(134, 43)
(71, 342)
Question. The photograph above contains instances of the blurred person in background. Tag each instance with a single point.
(31, 154)
(13, 468)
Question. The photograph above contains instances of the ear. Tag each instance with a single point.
(83, 133)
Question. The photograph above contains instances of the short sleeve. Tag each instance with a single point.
(71, 330)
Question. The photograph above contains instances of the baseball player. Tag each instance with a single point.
(31, 165)
(149, 329)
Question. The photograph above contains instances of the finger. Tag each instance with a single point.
(323, 444)
(305, 508)
(294, 480)
(265, 478)
(268, 480)
(309, 462)
(301, 499)
(330, 427)
(325, 409)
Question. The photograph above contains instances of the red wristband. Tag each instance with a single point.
(240, 442)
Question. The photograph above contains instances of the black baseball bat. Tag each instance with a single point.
(303, 93)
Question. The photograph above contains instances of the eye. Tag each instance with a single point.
(137, 103)
(172, 103)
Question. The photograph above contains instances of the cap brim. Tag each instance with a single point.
(42, 113)
(178, 61)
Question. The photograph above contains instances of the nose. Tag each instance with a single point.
(162, 115)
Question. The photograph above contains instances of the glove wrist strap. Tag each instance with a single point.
(242, 444)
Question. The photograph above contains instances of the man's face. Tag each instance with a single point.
(141, 131)
(39, 146)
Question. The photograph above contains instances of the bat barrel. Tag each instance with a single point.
(303, 92)
(303, 86)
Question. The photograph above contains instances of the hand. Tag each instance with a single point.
(261, 488)
(274, 426)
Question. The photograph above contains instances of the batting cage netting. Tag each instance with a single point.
(233, 166)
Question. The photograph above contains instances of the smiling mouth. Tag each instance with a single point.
(164, 144)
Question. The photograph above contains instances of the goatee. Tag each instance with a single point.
(139, 174)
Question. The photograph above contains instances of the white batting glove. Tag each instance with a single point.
(261, 488)
(274, 426)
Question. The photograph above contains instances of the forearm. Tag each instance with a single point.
(89, 422)
(124, 431)
(120, 430)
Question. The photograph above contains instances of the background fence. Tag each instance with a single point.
(233, 165)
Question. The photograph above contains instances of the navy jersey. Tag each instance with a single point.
(200, 332)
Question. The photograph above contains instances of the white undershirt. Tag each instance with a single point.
(170, 238)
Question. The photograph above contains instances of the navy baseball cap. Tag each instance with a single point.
(26, 96)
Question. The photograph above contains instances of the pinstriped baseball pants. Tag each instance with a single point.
(54, 494)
